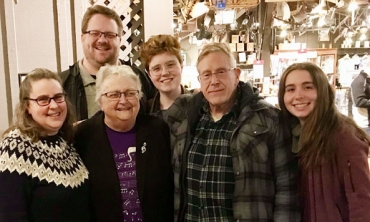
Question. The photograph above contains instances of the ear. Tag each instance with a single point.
(28, 109)
(100, 103)
(237, 72)
(83, 37)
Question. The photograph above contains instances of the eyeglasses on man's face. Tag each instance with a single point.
(207, 76)
(97, 34)
(45, 100)
(158, 69)
(129, 94)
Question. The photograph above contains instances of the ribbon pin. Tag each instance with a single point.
(143, 148)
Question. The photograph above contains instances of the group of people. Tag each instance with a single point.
(98, 143)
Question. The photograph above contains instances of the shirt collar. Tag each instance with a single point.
(86, 77)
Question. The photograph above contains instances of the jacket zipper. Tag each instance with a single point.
(350, 176)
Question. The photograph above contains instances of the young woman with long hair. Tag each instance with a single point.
(332, 150)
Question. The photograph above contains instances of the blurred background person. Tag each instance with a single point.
(128, 155)
(360, 89)
(101, 32)
(163, 63)
(42, 178)
(332, 150)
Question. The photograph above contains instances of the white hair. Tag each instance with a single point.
(117, 70)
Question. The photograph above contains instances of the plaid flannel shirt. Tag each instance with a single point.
(265, 169)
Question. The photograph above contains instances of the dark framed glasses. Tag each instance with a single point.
(45, 100)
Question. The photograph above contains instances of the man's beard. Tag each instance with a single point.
(111, 60)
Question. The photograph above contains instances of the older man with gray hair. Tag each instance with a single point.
(231, 154)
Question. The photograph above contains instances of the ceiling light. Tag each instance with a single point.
(321, 23)
(198, 9)
(321, 8)
(352, 6)
(340, 4)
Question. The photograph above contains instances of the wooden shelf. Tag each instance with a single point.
(320, 51)
(343, 51)
(244, 66)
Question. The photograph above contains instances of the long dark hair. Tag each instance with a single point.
(317, 141)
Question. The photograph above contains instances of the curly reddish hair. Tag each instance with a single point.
(159, 44)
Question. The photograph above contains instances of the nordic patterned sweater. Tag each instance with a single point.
(41, 181)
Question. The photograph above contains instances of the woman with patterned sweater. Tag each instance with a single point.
(42, 178)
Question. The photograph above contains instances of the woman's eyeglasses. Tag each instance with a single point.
(45, 100)
(129, 94)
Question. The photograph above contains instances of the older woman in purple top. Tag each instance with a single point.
(332, 150)
(127, 155)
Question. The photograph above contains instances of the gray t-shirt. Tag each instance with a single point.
(90, 90)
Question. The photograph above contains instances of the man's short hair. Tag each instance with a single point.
(216, 47)
(98, 9)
